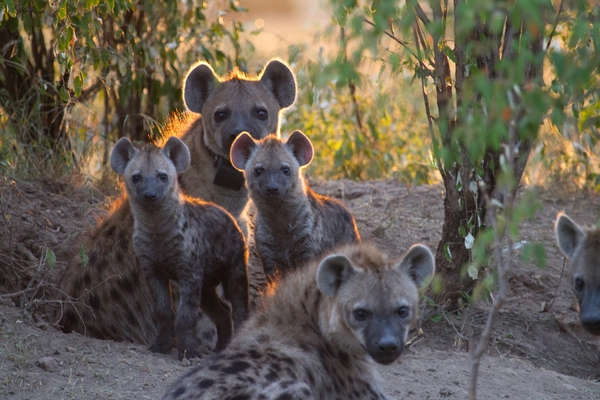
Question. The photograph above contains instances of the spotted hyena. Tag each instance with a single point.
(107, 293)
(582, 248)
(317, 333)
(195, 243)
(293, 224)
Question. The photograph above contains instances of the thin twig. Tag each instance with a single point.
(504, 262)
(427, 109)
(560, 9)
(547, 308)
(392, 36)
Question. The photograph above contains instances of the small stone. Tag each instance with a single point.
(48, 364)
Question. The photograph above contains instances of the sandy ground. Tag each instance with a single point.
(532, 355)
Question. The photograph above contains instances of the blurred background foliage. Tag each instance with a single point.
(421, 92)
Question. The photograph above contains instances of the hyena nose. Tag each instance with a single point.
(387, 346)
(272, 189)
(149, 196)
(591, 324)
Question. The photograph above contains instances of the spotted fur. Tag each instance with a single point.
(293, 224)
(319, 331)
(105, 292)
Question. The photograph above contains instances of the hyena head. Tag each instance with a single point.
(373, 300)
(582, 248)
(238, 103)
(273, 168)
(150, 173)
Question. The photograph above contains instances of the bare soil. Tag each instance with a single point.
(538, 349)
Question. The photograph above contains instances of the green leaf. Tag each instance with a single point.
(50, 259)
(78, 85)
(111, 5)
(462, 231)
(83, 258)
(473, 272)
(62, 10)
(64, 94)
(447, 252)
(91, 3)
(436, 317)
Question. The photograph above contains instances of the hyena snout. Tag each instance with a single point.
(590, 312)
(385, 344)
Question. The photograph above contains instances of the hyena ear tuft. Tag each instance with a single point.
(177, 151)
(241, 150)
(569, 235)
(121, 155)
(419, 263)
(280, 80)
(333, 272)
(300, 145)
(200, 83)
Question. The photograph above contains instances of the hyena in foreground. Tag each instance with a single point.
(293, 224)
(317, 333)
(582, 248)
(197, 244)
(110, 298)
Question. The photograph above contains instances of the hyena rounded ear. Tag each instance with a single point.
(419, 263)
(200, 83)
(280, 80)
(241, 150)
(177, 151)
(569, 235)
(301, 147)
(333, 272)
(121, 154)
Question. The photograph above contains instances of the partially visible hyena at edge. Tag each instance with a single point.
(582, 247)
(109, 296)
(293, 224)
(318, 333)
(195, 243)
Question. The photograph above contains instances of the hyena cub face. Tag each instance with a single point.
(374, 300)
(272, 168)
(582, 248)
(150, 179)
(235, 105)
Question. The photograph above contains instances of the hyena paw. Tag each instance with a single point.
(162, 344)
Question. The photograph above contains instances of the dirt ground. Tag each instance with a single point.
(535, 352)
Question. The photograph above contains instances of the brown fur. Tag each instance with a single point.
(109, 297)
(293, 224)
(316, 334)
(582, 247)
(195, 243)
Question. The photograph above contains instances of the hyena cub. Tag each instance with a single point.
(317, 333)
(293, 224)
(195, 243)
(582, 248)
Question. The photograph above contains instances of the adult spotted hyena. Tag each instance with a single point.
(187, 240)
(582, 248)
(317, 333)
(293, 224)
(109, 298)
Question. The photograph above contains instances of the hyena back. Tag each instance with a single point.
(197, 244)
(293, 224)
(107, 296)
(317, 333)
(582, 247)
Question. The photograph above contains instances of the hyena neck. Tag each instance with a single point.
(161, 218)
(286, 214)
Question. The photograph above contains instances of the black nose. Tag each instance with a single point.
(387, 346)
(150, 196)
(591, 323)
(272, 189)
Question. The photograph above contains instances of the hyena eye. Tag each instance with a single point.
(360, 314)
(262, 114)
(403, 312)
(258, 171)
(163, 177)
(137, 178)
(579, 284)
(220, 116)
(286, 171)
